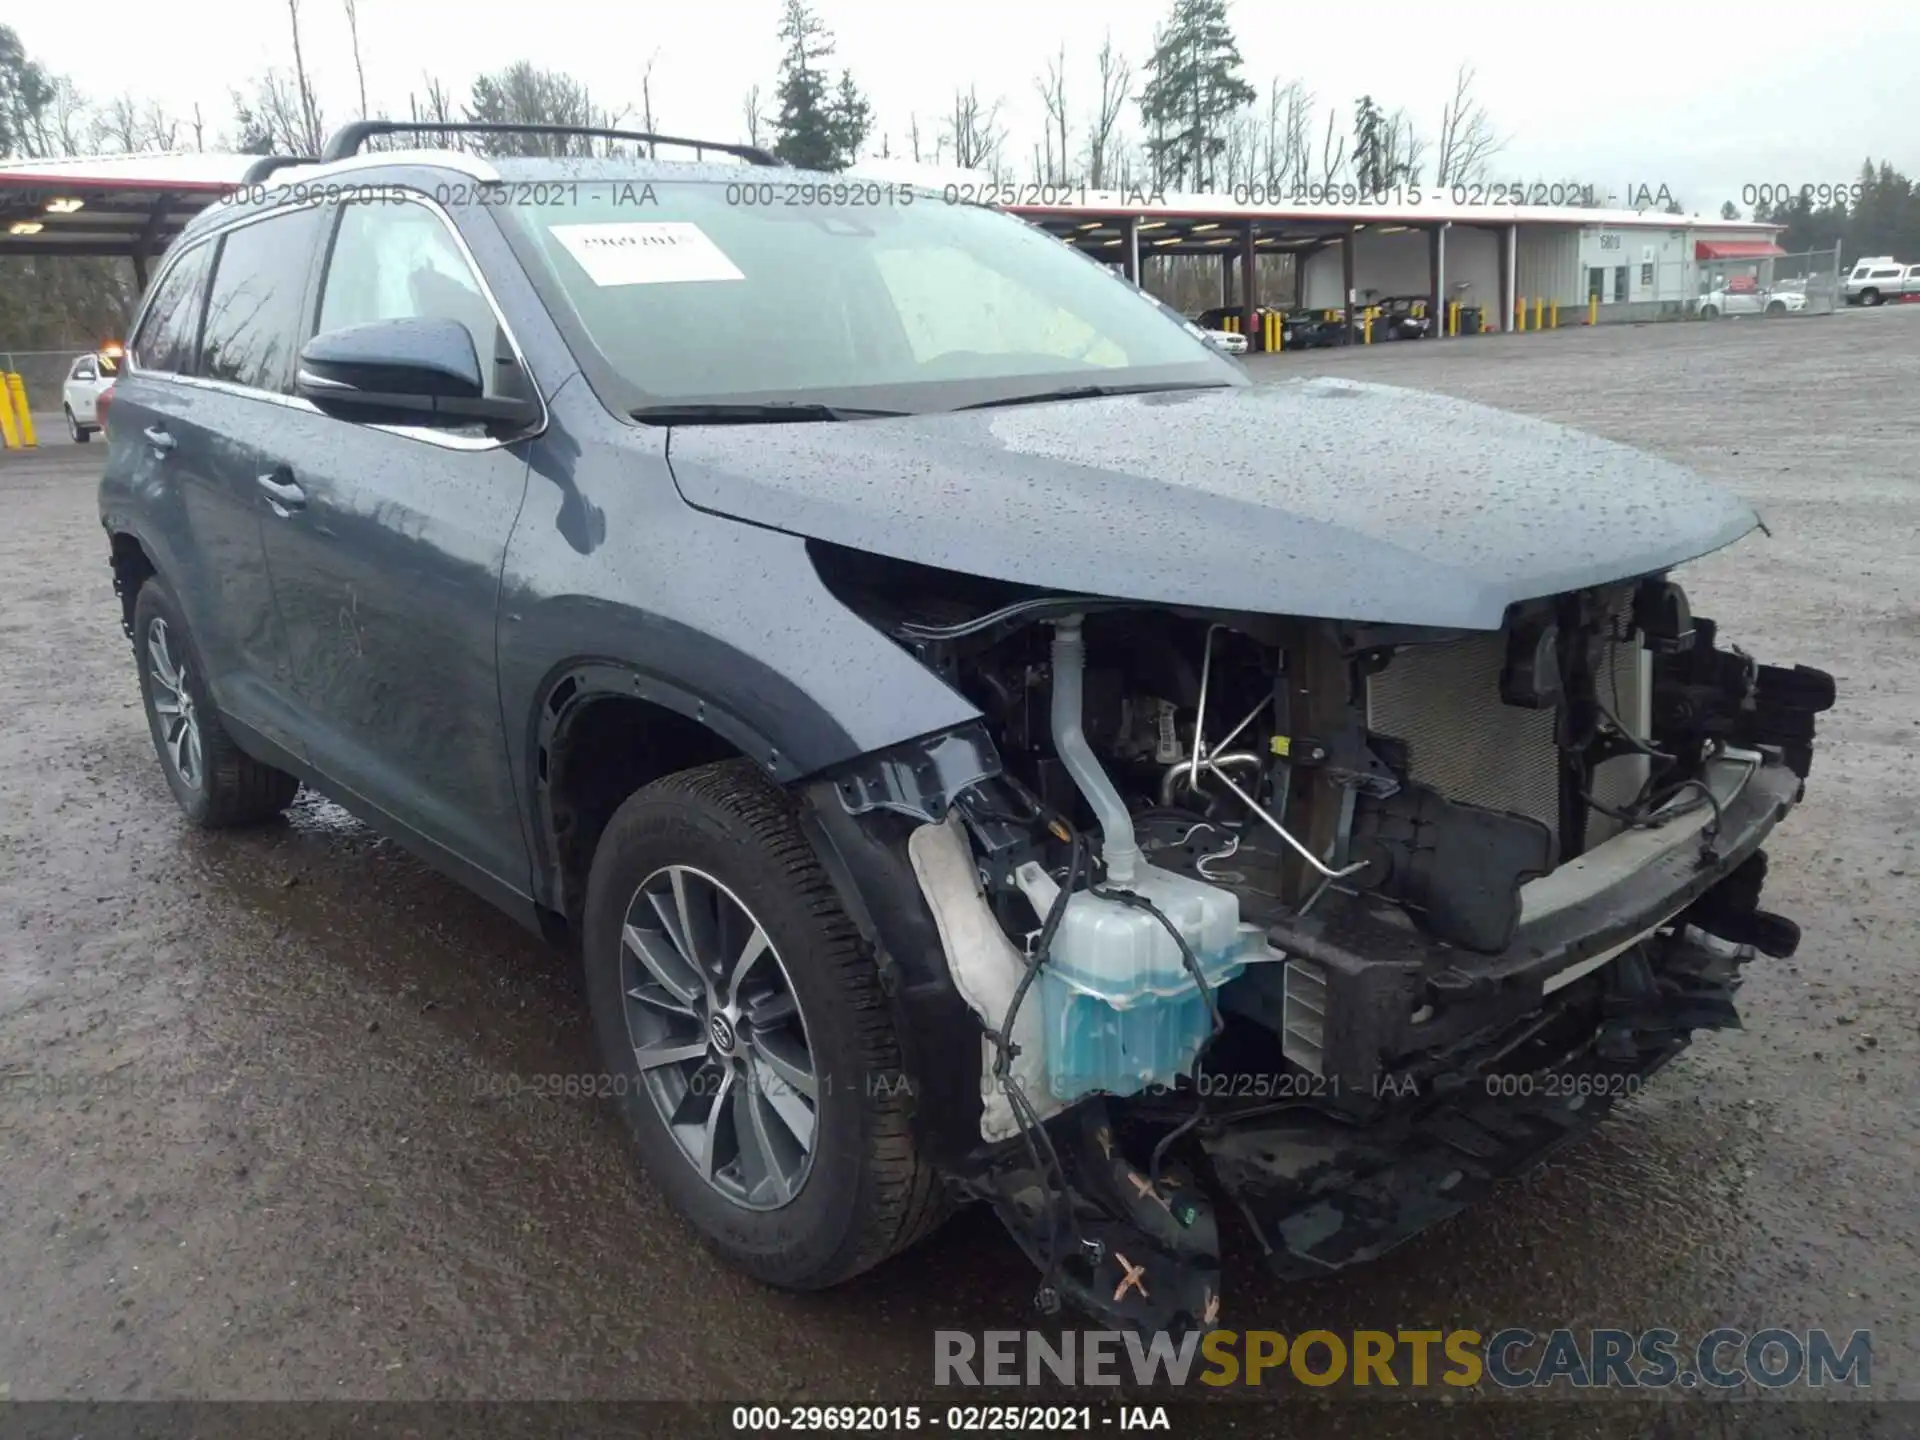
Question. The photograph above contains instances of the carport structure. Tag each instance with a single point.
(1438, 247)
(130, 206)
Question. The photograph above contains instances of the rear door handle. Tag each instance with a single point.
(158, 438)
(284, 495)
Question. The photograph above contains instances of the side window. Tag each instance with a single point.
(83, 369)
(398, 261)
(254, 302)
(171, 330)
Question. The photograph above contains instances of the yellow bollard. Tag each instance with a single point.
(1366, 326)
(1553, 316)
(1520, 316)
(1593, 310)
(9, 432)
(1453, 319)
(17, 388)
(1539, 313)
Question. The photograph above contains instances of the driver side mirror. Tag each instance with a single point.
(413, 369)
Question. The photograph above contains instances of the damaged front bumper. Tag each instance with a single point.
(1434, 1071)
(1322, 1189)
(1399, 1006)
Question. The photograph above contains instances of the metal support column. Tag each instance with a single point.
(1249, 297)
(1437, 279)
(1509, 273)
(1133, 249)
(1346, 279)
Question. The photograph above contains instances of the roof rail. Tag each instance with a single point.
(348, 139)
(267, 164)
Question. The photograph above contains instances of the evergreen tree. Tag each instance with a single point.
(25, 93)
(1370, 163)
(852, 119)
(816, 129)
(1193, 89)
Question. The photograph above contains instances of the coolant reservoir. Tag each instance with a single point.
(1121, 1010)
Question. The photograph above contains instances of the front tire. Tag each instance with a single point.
(1709, 312)
(217, 784)
(745, 1036)
(1869, 297)
(78, 433)
(1776, 307)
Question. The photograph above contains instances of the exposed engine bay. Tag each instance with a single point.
(1313, 905)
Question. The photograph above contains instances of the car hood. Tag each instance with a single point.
(1316, 497)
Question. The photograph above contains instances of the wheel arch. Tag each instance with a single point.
(132, 566)
(602, 730)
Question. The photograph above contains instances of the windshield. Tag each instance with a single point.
(911, 304)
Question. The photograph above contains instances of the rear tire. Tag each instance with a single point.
(862, 1192)
(1869, 297)
(1709, 312)
(217, 784)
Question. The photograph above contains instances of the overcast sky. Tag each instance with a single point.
(1704, 98)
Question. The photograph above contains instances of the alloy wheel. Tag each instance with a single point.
(719, 1037)
(173, 709)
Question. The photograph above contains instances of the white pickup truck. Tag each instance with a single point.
(1880, 278)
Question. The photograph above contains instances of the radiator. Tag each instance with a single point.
(1444, 702)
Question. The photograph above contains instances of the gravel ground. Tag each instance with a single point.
(254, 1144)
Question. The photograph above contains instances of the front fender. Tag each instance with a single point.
(725, 622)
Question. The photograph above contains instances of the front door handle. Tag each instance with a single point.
(158, 438)
(284, 495)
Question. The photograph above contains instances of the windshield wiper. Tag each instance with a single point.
(1087, 392)
(770, 412)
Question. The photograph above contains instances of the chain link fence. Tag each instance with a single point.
(1674, 288)
(43, 372)
(1806, 283)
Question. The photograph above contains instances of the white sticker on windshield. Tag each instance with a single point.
(646, 252)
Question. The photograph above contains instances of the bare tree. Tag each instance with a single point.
(58, 123)
(158, 129)
(1053, 94)
(309, 134)
(435, 106)
(353, 34)
(974, 132)
(1333, 156)
(1116, 79)
(646, 99)
(273, 120)
(1288, 137)
(751, 113)
(1404, 152)
(1467, 137)
(117, 125)
(199, 129)
(913, 136)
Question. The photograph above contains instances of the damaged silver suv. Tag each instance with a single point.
(983, 746)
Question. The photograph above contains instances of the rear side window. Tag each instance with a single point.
(1884, 275)
(398, 261)
(171, 330)
(254, 303)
